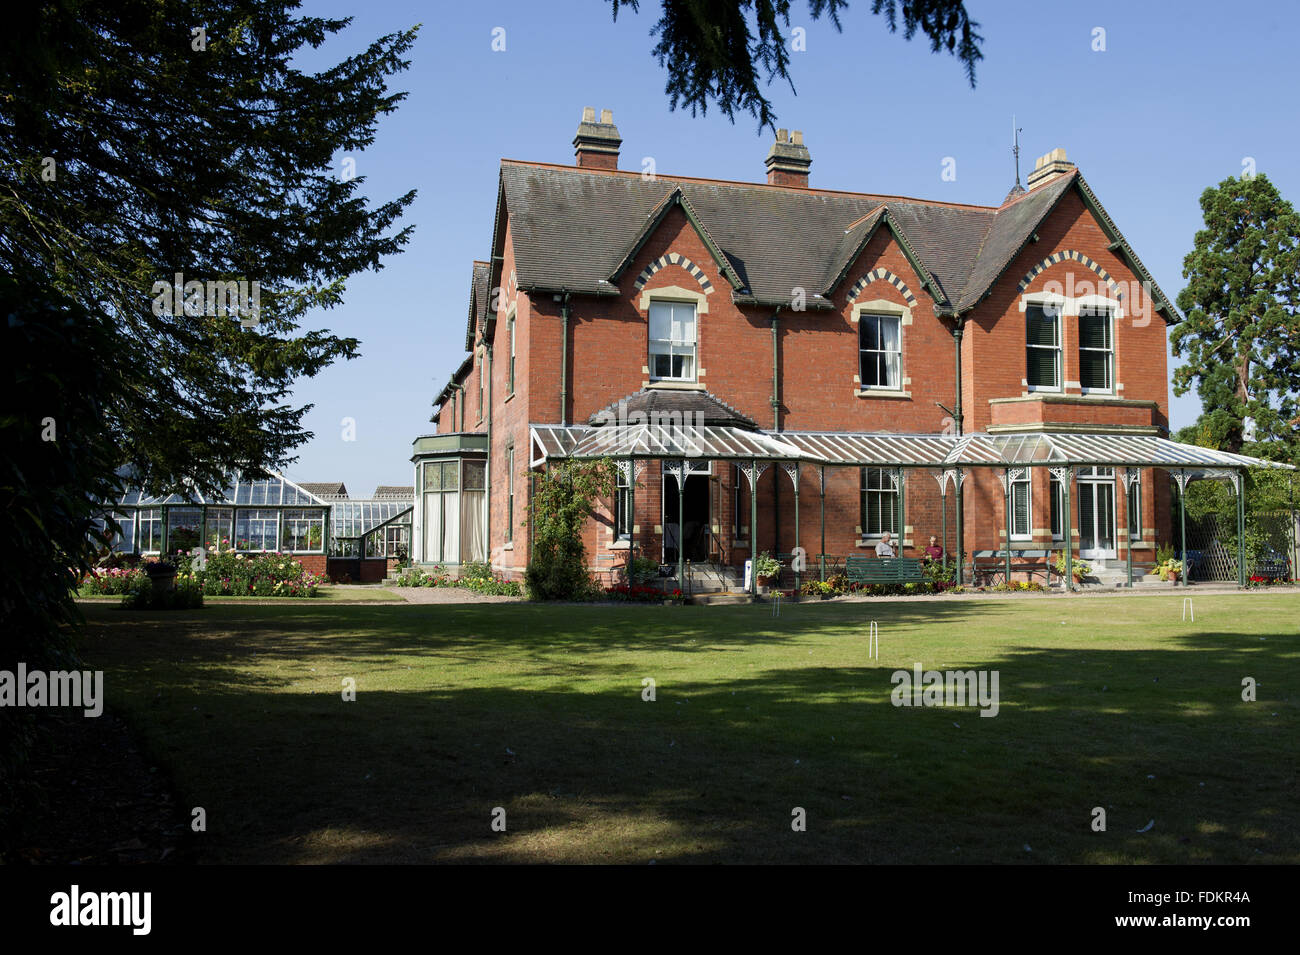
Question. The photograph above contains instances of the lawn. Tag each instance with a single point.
(334, 593)
(1111, 702)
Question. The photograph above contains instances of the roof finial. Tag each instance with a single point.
(1017, 190)
(1015, 146)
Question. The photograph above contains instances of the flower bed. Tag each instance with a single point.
(251, 575)
(110, 581)
(638, 594)
(476, 576)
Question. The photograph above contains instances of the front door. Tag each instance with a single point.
(694, 532)
(1097, 513)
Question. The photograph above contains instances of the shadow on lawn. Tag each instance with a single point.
(383, 631)
(711, 770)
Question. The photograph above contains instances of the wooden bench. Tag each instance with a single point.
(884, 570)
(1029, 562)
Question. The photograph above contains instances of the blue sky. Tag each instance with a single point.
(1182, 94)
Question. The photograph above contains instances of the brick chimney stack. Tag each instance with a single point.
(597, 143)
(1049, 167)
(788, 160)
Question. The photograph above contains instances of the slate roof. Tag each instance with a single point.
(683, 407)
(478, 302)
(394, 490)
(575, 229)
(325, 488)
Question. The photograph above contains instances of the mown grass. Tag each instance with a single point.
(1111, 702)
(350, 593)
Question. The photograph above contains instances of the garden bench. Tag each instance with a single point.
(884, 570)
(1026, 561)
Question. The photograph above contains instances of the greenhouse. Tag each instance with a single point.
(268, 514)
(380, 527)
(271, 514)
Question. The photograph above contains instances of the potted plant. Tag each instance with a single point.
(161, 573)
(1171, 570)
(766, 568)
(1078, 569)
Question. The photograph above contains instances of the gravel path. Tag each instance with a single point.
(449, 595)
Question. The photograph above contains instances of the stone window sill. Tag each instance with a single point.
(881, 393)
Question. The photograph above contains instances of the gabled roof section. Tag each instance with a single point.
(676, 199)
(1015, 224)
(325, 489)
(478, 303)
(856, 237)
(663, 405)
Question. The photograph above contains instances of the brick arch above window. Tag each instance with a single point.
(1070, 255)
(673, 258)
(888, 276)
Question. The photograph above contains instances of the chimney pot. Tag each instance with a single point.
(1048, 167)
(788, 160)
(596, 144)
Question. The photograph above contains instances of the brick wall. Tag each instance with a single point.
(818, 353)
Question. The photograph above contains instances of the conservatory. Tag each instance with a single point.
(266, 514)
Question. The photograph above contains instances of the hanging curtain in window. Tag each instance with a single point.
(432, 527)
(473, 544)
(451, 527)
(889, 342)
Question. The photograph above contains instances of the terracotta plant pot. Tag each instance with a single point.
(764, 581)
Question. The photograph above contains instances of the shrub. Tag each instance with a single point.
(766, 565)
(563, 498)
(642, 569)
(187, 594)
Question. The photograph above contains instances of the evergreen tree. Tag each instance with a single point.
(1241, 334)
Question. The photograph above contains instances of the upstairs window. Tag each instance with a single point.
(1043, 347)
(672, 341)
(880, 353)
(510, 385)
(1096, 350)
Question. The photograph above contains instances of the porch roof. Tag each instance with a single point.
(878, 449)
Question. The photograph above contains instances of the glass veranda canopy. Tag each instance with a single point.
(877, 449)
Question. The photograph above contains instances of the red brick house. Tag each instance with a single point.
(859, 349)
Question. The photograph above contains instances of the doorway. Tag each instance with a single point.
(695, 516)
(1097, 513)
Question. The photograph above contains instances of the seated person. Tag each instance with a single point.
(883, 547)
(934, 551)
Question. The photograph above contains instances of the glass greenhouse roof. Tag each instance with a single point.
(349, 519)
(273, 491)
